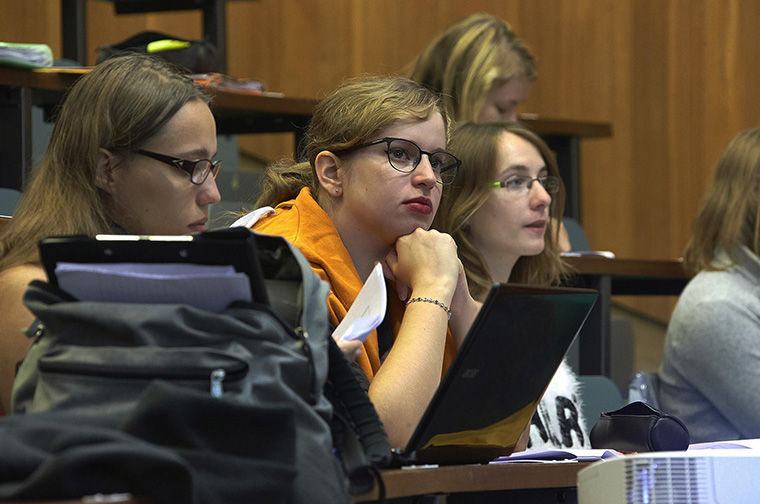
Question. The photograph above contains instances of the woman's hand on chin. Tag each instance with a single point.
(424, 263)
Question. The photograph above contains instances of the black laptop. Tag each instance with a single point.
(498, 376)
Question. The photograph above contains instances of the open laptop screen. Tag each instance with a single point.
(505, 364)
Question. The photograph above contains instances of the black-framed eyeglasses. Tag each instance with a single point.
(405, 155)
(520, 185)
(198, 169)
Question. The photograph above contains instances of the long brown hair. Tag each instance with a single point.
(477, 145)
(350, 115)
(118, 106)
(729, 215)
(464, 62)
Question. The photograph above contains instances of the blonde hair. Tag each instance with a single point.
(350, 115)
(729, 215)
(118, 106)
(464, 62)
(477, 145)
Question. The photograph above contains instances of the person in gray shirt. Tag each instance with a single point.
(710, 373)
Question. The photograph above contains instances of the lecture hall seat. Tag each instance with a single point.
(8, 200)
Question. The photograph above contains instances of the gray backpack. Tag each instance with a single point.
(233, 401)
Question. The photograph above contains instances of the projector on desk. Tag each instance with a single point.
(690, 477)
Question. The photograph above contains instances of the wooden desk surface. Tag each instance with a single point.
(61, 79)
(232, 105)
(611, 277)
(439, 480)
(593, 265)
(476, 478)
(565, 127)
(46, 79)
(665, 277)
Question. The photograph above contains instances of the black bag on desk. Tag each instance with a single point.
(205, 397)
(198, 56)
(638, 427)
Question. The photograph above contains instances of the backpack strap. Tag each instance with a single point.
(360, 437)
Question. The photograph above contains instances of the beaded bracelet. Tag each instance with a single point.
(430, 300)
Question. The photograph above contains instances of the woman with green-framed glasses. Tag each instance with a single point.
(483, 71)
(502, 212)
(500, 209)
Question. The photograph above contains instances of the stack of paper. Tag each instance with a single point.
(207, 287)
(26, 55)
(581, 455)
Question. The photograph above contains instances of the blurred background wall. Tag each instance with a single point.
(676, 79)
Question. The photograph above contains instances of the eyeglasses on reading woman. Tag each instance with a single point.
(198, 168)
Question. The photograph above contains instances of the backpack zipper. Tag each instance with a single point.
(217, 377)
(303, 336)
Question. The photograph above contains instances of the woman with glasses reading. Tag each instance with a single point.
(130, 151)
(376, 164)
(502, 213)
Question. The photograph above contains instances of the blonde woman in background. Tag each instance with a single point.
(483, 72)
(480, 67)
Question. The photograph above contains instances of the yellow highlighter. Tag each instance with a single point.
(166, 45)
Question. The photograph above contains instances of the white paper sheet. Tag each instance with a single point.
(367, 311)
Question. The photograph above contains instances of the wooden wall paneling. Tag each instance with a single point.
(650, 101)
(299, 48)
(596, 63)
(583, 68)
(351, 39)
(731, 68)
(747, 71)
(601, 63)
(649, 233)
(390, 34)
(686, 162)
(712, 53)
(31, 22)
(676, 78)
(256, 33)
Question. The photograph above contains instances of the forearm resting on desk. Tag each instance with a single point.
(409, 376)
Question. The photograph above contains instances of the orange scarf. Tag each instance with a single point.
(304, 224)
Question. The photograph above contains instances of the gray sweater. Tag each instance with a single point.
(710, 374)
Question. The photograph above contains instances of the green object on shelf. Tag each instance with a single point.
(26, 55)
(167, 45)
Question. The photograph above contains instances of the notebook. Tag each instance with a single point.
(490, 392)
